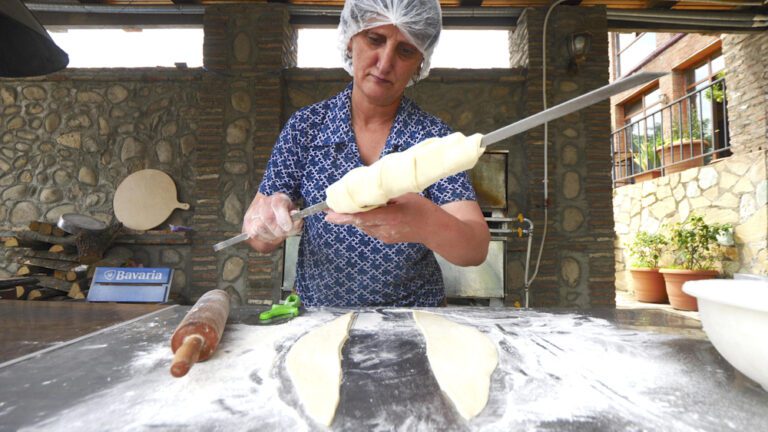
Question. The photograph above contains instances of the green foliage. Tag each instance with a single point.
(646, 249)
(646, 156)
(695, 243)
(716, 92)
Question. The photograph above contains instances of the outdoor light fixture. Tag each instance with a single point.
(26, 49)
(578, 47)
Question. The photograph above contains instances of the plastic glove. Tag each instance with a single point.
(269, 218)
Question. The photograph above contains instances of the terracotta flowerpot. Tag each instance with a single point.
(690, 157)
(675, 278)
(648, 285)
(647, 175)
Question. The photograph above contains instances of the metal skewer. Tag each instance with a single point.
(301, 214)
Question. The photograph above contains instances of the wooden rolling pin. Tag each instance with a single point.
(198, 334)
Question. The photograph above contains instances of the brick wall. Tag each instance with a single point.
(672, 85)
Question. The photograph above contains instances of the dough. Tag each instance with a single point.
(314, 365)
(413, 170)
(462, 360)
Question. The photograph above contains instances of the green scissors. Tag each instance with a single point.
(288, 309)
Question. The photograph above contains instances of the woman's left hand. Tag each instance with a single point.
(400, 221)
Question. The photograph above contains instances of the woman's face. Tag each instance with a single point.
(383, 62)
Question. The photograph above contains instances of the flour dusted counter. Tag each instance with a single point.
(587, 370)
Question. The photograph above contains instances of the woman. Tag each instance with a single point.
(383, 256)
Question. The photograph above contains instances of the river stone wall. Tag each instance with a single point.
(69, 139)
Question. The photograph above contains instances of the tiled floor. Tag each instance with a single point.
(624, 300)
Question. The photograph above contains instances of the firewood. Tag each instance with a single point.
(28, 270)
(8, 293)
(63, 249)
(76, 293)
(18, 242)
(17, 281)
(76, 273)
(22, 291)
(44, 228)
(61, 256)
(42, 294)
(50, 264)
(34, 236)
(58, 285)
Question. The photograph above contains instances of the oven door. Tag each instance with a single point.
(484, 281)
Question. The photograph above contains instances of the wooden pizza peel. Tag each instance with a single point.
(145, 199)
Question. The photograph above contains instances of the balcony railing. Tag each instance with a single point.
(691, 131)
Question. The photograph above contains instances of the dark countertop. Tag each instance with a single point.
(558, 370)
(31, 326)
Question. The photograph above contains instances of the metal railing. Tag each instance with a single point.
(690, 131)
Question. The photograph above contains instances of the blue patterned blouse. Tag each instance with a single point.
(339, 265)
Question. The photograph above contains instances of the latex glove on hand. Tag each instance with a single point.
(268, 219)
(401, 220)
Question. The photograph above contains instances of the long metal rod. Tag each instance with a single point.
(570, 106)
(301, 214)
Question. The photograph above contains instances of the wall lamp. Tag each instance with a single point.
(578, 47)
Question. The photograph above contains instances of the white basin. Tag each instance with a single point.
(734, 314)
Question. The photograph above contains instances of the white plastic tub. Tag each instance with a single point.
(734, 314)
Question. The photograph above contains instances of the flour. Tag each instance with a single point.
(228, 392)
(556, 372)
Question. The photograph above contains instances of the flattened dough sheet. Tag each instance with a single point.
(462, 360)
(314, 365)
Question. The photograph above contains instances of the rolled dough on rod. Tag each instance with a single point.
(462, 360)
(413, 170)
(314, 365)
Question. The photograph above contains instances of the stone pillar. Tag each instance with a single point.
(577, 267)
(246, 49)
(747, 90)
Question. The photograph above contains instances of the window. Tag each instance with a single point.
(469, 49)
(115, 47)
(645, 119)
(707, 101)
(631, 49)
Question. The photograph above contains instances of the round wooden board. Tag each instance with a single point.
(145, 199)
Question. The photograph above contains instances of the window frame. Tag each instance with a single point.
(617, 52)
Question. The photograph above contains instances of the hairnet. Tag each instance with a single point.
(420, 22)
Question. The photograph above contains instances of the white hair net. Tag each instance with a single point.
(419, 20)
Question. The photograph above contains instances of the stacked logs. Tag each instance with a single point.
(55, 265)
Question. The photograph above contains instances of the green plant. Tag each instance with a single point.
(646, 249)
(695, 243)
(716, 92)
(645, 155)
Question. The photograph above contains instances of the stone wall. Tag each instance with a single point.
(747, 66)
(577, 265)
(732, 190)
(69, 139)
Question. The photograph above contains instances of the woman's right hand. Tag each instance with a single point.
(268, 221)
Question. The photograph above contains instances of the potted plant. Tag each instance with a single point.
(683, 150)
(694, 243)
(647, 159)
(647, 283)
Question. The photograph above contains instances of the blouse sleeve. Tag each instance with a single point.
(285, 166)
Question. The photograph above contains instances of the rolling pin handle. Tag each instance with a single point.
(186, 355)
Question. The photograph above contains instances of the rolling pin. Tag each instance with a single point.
(198, 334)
